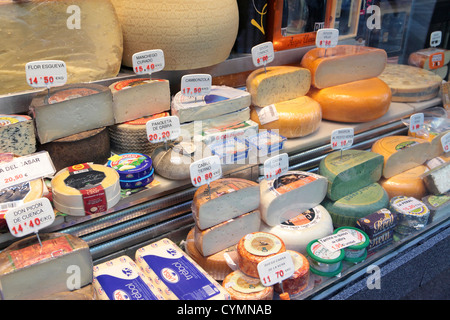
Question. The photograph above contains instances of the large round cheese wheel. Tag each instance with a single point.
(192, 34)
(296, 117)
(409, 83)
(408, 183)
(254, 248)
(357, 101)
(242, 287)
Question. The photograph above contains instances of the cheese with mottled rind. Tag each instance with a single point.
(342, 64)
(298, 282)
(350, 170)
(17, 134)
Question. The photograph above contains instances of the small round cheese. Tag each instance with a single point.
(299, 280)
(242, 287)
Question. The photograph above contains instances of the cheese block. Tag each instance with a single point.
(421, 58)
(194, 35)
(408, 183)
(71, 109)
(350, 170)
(277, 84)
(121, 279)
(71, 31)
(299, 280)
(78, 148)
(433, 163)
(17, 134)
(220, 100)
(358, 101)
(293, 192)
(218, 265)
(437, 180)
(131, 136)
(225, 199)
(347, 210)
(173, 163)
(176, 274)
(254, 248)
(342, 64)
(223, 235)
(297, 117)
(401, 153)
(439, 205)
(409, 83)
(30, 271)
(85, 189)
(140, 97)
(242, 287)
(297, 232)
(434, 136)
(413, 214)
(241, 131)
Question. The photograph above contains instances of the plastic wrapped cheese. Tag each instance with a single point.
(72, 31)
(413, 215)
(342, 64)
(357, 101)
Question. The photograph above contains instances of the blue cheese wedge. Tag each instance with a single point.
(17, 134)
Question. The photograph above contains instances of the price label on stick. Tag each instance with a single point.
(445, 140)
(275, 269)
(327, 38)
(30, 217)
(196, 85)
(205, 170)
(46, 73)
(435, 38)
(148, 62)
(342, 139)
(163, 129)
(276, 166)
(416, 122)
(263, 54)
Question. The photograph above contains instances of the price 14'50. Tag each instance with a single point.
(47, 80)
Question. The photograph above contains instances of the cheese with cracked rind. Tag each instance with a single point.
(242, 287)
(401, 153)
(17, 134)
(276, 84)
(358, 101)
(292, 192)
(297, 117)
(408, 183)
(342, 64)
(350, 170)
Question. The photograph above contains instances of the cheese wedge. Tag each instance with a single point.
(297, 117)
(421, 58)
(343, 64)
(357, 101)
(242, 287)
(17, 134)
(437, 180)
(408, 183)
(401, 153)
(277, 84)
(439, 205)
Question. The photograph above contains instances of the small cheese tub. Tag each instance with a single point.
(323, 260)
(131, 166)
(138, 183)
(357, 252)
(318, 277)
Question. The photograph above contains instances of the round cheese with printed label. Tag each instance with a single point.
(242, 287)
(299, 280)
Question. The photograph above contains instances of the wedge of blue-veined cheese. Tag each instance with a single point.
(177, 275)
(17, 134)
(121, 279)
(220, 100)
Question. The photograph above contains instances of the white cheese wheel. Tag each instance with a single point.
(289, 194)
(17, 134)
(242, 287)
(192, 35)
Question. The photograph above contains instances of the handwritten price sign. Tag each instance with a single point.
(276, 269)
(262, 54)
(46, 73)
(276, 166)
(342, 139)
(148, 62)
(196, 85)
(163, 129)
(205, 170)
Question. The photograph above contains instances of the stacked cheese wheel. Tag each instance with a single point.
(279, 102)
(345, 85)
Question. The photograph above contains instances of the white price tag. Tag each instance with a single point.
(327, 38)
(196, 85)
(275, 269)
(342, 139)
(30, 217)
(162, 129)
(445, 140)
(267, 114)
(339, 241)
(262, 54)
(435, 38)
(148, 62)
(205, 170)
(416, 122)
(276, 166)
(26, 168)
(46, 73)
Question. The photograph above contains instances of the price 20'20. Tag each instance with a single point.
(154, 137)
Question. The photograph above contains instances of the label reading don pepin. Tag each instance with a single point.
(180, 275)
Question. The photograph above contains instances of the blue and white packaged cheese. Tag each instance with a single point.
(121, 279)
(177, 275)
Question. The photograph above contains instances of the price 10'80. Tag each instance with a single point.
(198, 179)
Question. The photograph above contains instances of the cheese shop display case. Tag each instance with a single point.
(189, 147)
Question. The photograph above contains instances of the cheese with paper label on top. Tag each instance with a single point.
(408, 183)
(299, 280)
(277, 84)
(342, 64)
(224, 199)
(242, 287)
(413, 214)
(437, 180)
(401, 153)
(292, 192)
(176, 274)
(17, 134)
(220, 100)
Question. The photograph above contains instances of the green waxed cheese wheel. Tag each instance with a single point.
(347, 210)
(356, 169)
